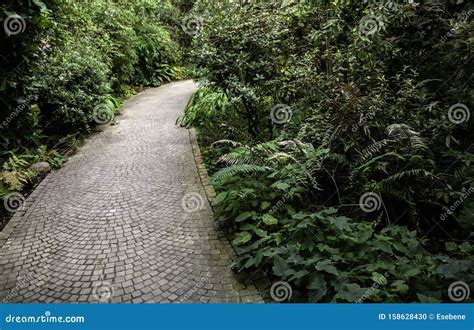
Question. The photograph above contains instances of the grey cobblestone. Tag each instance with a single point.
(112, 225)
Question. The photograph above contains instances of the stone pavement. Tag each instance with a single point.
(125, 220)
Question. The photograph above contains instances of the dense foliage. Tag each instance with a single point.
(337, 132)
(339, 138)
(65, 65)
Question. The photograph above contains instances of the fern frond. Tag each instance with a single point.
(234, 158)
(460, 175)
(402, 132)
(413, 173)
(241, 169)
(226, 141)
(375, 159)
(339, 158)
(245, 193)
(280, 155)
(236, 133)
(417, 143)
(329, 135)
(371, 151)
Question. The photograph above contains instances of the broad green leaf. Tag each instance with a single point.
(261, 232)
(450, 246)
(269, 220)
(400, 286)
(298, 275)
(247, 226)
(40, 4)
(399, 246)
(279, 266)
(317, 282)
(379, 278)
(243, 216)
(426, 299)
(220, 197)
(352, 292)
(279, 238)
(281, 185)
(412, 272)
(455, 269)
(242, 237)
(340, 222)
(299, 216)
(466, 247)
(383, 245)
(265, 205)
(254, 261)
(327, 266)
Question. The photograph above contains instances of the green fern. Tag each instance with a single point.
(370, 151)
(413, 173)
(379, 158)
(227, 141)
(283, 156)
(234, 158)
(338, 158)
(241, 169)
(402, 133)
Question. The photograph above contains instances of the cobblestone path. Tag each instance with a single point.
(125, 220)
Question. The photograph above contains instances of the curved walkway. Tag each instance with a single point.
(125, 220)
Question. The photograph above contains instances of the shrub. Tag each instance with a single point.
(68, 69)
(365, 111)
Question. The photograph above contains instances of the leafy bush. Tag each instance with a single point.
(75, 83)
(67, 70)
(205, 105)
(365, 113)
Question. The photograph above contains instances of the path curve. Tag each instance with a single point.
(125, 220)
